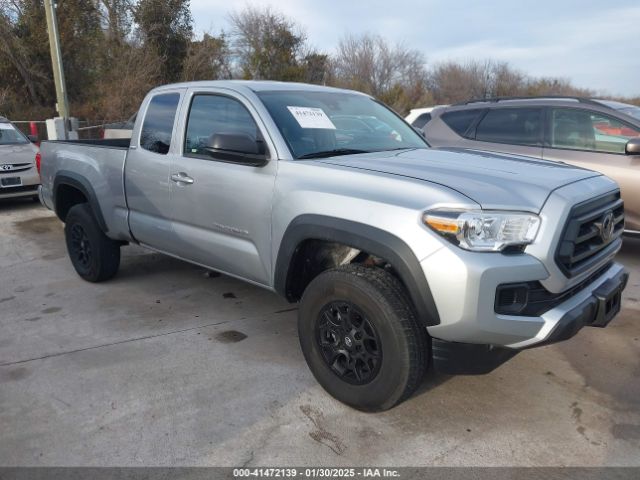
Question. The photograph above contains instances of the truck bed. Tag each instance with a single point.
(99, 142)
(101, 164)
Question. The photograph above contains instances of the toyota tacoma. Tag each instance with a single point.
(402, 257)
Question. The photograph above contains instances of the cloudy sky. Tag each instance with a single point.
(595, 43)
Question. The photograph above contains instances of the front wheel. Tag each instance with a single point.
(360, 337)
(94, 255)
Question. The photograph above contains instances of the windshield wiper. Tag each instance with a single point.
(333, 153)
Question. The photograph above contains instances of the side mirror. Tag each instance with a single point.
(33, 138)
(238, 147)
(633, 147)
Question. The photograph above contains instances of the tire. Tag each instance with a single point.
(95, 257)
(387, 362)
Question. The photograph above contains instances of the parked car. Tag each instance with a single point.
(18, 174)
(399, 255)
(596, 134)
(419, 117)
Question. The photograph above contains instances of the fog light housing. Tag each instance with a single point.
(511, 299)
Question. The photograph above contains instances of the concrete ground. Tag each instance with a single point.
(167, 366)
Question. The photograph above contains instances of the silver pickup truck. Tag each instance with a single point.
(401, 256)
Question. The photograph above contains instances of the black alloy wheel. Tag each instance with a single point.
(80, 246)
(349, 342)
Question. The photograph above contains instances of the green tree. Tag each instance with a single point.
(269, 46)
(81, 41)
(166, 26)
(317, 67)
(25, 64)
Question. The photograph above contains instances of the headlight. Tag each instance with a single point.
(484, 231)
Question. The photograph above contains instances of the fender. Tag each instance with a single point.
(363, 237)
(72, 179)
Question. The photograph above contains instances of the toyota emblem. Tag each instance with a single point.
(607, 226)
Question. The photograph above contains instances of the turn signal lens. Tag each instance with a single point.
(442, 224)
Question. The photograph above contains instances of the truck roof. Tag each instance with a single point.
(256, 86)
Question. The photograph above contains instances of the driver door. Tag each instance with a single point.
(221, 209)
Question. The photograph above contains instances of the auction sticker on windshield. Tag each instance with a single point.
(310, 117)
(6, 126)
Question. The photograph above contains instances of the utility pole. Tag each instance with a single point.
(62, 105)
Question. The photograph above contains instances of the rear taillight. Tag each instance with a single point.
(38, 161)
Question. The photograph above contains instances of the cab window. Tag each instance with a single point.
(210, 114)
(158, 123)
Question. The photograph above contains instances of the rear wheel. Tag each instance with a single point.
(360, 337)
(94, 255)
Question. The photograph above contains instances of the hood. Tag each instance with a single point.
(23, 153)
(495, 181)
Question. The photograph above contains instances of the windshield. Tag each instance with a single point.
(317, 124)
(10, 136)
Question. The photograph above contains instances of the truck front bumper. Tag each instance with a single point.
(596, 310)
(464, 287)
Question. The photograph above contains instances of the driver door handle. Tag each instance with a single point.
(182, 177)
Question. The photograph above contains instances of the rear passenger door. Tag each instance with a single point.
(516, 130)
(222, 216)
(146, 173)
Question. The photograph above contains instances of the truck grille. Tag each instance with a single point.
(592, 233)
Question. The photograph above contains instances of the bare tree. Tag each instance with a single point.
(207, 59)
(454, 82)
(555, 86)
(116, 18)
(506, 81)
(132, 73)
(392, 73)
(5, 100)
